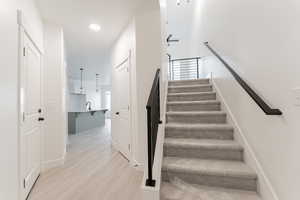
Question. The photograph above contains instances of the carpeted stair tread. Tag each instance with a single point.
(174, 191)
(208, 167)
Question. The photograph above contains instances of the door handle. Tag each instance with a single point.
(117, 113)
(41, 119)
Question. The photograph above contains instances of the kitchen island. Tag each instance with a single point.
(80, 121)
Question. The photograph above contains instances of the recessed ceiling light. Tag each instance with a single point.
(95, 27)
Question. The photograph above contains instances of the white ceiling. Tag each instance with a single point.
(84, 47)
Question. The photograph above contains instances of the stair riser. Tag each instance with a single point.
(191, 89)
(178, 190)
(192, 82)
(197, 97)
(199, 134)
(194, 107)
(213, 180)
(195, 119)
(202, 153)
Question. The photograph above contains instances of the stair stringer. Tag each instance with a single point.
(264, 186)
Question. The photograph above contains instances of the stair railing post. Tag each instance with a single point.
(158, 91)
(150, 181)
(197, 68)
(170, 70)
(172, 66)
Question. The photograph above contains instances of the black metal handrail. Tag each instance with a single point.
(184, 68)
(153, 121)
(260, 102)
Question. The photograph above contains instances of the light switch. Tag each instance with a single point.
(296, 97)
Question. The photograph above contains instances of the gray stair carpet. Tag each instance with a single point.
(201, 158)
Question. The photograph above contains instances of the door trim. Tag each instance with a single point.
(24, 31)
(131, 139)
(33, 186)
(25, 26)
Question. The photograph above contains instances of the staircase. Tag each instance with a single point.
(201, 158)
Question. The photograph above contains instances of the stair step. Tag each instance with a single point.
(190, 88)
(191, 96)
(189, 82)
(204, 149)
(211, 105)
(180, 191)
(200, 131)
(204, 117)
(217, 173)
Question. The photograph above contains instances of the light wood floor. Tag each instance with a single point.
(93, 171)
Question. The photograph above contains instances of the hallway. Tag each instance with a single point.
(93, 170)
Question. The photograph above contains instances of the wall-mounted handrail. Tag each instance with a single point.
(153, 121)
(260, 102)
(170, 40)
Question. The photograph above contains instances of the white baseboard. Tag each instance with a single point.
(134, 163)
(114, 144)
(265, 187)
(138, 166)
(52, 164)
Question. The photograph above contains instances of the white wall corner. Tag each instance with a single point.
(265, 188)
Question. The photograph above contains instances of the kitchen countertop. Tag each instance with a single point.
(80, 121)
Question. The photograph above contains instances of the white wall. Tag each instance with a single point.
(143, 38)
(9, 104)
(153, 193)
(260, 40)
(55, 130)
(9, 146)
(148, 54)
(164, 50)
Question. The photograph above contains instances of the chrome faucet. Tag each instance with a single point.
(89, 105)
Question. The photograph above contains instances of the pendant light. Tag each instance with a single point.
(81, 80)
(97, 82)
(179, 2)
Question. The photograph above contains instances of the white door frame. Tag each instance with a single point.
(124, 60)
(132, 106)
(25, 30)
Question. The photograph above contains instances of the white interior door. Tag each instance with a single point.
(31, 116)
(121, 107)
